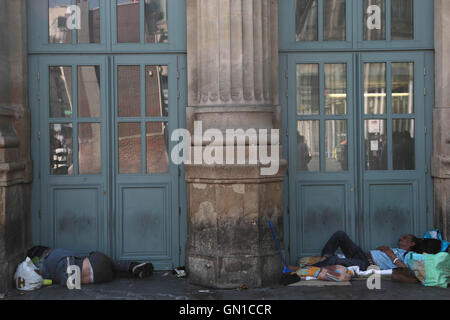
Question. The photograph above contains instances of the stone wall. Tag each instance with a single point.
(15, 153)
(441, 119)
(233, 84)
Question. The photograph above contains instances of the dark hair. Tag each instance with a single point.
(36, 251)
(430, 246)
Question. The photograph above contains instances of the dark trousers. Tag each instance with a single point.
(105, 268)
(354, 255)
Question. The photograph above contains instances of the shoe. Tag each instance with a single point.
(143, 270)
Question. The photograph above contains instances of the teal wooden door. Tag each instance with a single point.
(107, 88)
(321, 133)
(106, 179)
(392, 141)
(145, 182)
(73, 152)
(357, 147)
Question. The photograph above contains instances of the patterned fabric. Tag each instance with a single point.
(308, 261)
(329, 273)
(335, 273)
(308, 272)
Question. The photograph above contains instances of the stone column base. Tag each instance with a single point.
(230, 242)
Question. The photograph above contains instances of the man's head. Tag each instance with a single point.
(407, 241)
(36, 251)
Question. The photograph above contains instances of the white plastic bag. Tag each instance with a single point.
(27, 276)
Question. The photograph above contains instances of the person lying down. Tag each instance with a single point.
(332, 267)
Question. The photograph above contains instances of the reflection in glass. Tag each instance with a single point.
(403, 88)
(89, 91)
(90, 21)
(129, 145)
(403, 150)
(57, 21)
(156, 30)
(334, 20)
(89, 148)
(308, 146)
(402, 19)
(374, 22)
(61, 149)
(336, 150)
(336, 88)
(376, 144)
(157, 91)
(375, 88)
(157, 147)
(129, 91)
(60, 99)
(128, 21)
(308, 89)
(306, 19)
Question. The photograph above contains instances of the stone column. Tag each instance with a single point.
(15, 153)
(233, 84)
(441, 119)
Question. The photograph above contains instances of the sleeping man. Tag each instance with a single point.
(95, 268)
(384, 257)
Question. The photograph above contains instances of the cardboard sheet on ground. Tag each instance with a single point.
(319, 283)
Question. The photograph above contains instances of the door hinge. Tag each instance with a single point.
(178, 75)
(424, 91)
(424, 71)
(287, 132)
(179, 171)
(288, 211)
(39, 76)
(39, 135)
(179, 211)
(426, 168)
(178, 95)
(39, 214)
(425, 130)
(179, 250)
(39, 96)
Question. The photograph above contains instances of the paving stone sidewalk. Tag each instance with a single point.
(165, 286)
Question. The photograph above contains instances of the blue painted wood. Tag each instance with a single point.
(428, 107)
(405, 195)
(36, 194)
(374, 207)
(74, 208)
(78, 210)
(106, 201)
(147, 199)
(313, 192)
(406, 208)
